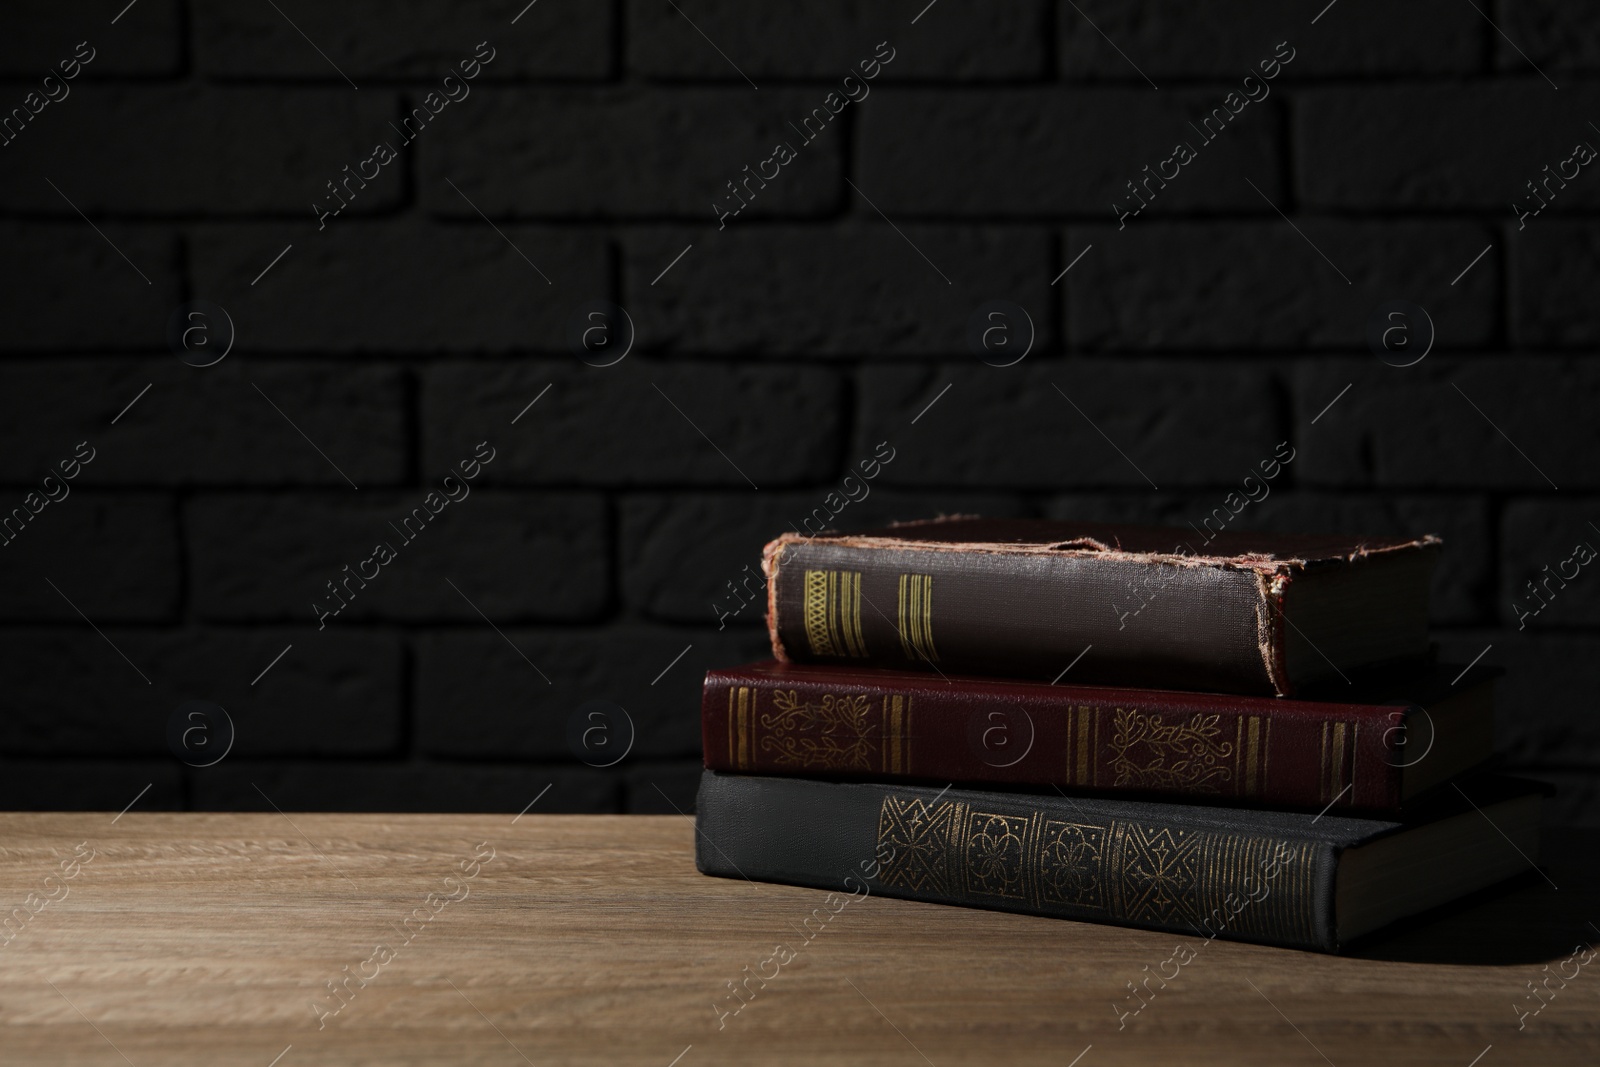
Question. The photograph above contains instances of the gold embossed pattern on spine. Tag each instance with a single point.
(1120, 870)
(1338, 764)
(896, 734)
(741, 727)
(833, 613)
(1190, 755)
(1187, 755)
(1254, 743)
(1083, 735)
(834, 732)
(844, 732)
(916, 617)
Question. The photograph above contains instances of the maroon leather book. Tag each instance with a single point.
(842, 722)
(1274, 614)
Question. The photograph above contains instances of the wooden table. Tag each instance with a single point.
(209, 939)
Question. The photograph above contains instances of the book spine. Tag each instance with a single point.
(1036, 855)
(1028, 616)
(1255, 751)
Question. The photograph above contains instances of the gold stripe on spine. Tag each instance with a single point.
(905, 740)
(1067, 750)
(916, 617)
(1336, 767)
(1094, 751)
(1355, 732)
(1082, 744)
(733, 755)
(744, 728)
(1035, 857)
(902, 709)
(1322, 766)
(1252, 753)
(850, 612)
(897, 720)
(1336, 771)
(885, 734)
(1086, 716)
(1238, 755)
(1266, 751)
(900, 620)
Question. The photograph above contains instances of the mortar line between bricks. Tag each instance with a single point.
(1113, 44)
(314, 44)
(1513, 44)
(1098, 83)
(823, 221)
(99, 231)
(730, 489)
(713, 44)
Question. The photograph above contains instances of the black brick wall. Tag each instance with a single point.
(770, 357)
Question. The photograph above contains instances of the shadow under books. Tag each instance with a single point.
(1536, 917)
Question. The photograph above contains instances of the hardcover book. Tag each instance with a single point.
(1295, 880)
(1370, 754)
(1270, 614)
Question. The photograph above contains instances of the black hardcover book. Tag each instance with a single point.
(1281, 878)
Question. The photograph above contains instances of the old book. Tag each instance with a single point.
(1370, 754)
(1297, 880)
(1146, 606)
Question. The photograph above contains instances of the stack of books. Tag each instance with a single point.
(1245, 739)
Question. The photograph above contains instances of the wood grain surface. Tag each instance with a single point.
(211, 939)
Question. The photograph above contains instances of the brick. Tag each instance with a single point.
(629, 152)
(213, 425)
(445, 788)
(371, 39)
(1417, 426)
(119, 551)
(839, 290)
(1554, 271)
(90, 785)
(1261, 285)
(515, 556)
(1539, 534)
(41, 34)
(697, 557)
(1545, 701)
(1461, 580)
(1346, 154)
(1062, 151)
(662, 788)
(1551, 36)
(70, 691)
(1013, 427)
(361, 286)
(81, 293)
(1228, 39)
(638, 422)
(477, 696)
(960, 40)
(202, 150)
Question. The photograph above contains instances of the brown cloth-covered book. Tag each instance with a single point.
(1369, 754)
(1261, 613)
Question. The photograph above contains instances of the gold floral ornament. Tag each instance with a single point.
(995, 855)
(1187, 755)
(834, 733)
